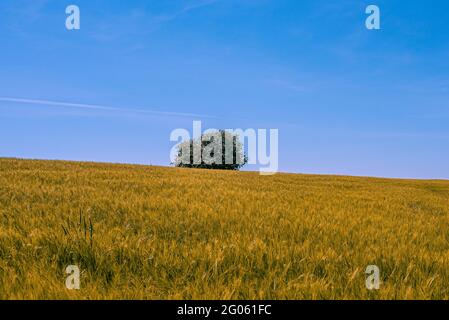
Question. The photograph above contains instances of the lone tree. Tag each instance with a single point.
(213, 150)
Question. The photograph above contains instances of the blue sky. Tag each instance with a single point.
(346, 100)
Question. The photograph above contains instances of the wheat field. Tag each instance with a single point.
(143, 232)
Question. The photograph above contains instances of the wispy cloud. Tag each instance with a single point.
(140, 21)
(19, 15)
(96, 107)
(190, 7)
(287, 85)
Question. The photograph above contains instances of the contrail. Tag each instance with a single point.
(101, 107)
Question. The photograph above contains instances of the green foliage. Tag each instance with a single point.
(214, 150)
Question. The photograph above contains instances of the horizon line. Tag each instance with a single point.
(249, 171)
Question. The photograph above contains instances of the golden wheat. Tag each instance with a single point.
(140, 232)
